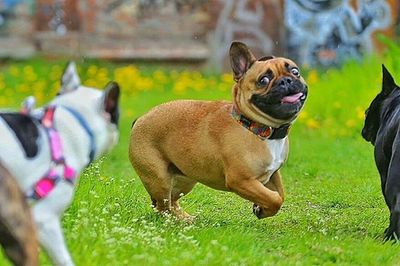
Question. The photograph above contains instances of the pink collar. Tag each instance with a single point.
(47, 183)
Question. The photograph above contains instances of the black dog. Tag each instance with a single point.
(382, 129)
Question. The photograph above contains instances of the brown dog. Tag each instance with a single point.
(17, 231)
(237, 146)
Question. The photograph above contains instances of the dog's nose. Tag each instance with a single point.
(285, 82)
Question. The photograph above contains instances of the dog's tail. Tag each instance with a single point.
(17, 232)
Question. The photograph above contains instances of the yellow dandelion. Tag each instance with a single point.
(227, 78)
(160, 76)
(360, 113)
(92, 70)
(179, 88)
(28, 69)
(312, 77)
(91, 83)
(40, 97)
(55, 86)
(312, 123)
(303, 115)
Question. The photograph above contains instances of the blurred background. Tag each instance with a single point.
(159, 50)
(312, 32)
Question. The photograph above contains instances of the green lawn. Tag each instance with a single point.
(334, 212)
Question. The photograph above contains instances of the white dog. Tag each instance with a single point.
(46, 149)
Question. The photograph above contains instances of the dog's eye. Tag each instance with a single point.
(263, 81)
(295, 71)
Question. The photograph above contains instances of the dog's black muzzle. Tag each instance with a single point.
(272, 103)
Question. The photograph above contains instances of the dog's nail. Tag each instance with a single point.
(256, 210)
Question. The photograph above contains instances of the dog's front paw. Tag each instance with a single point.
(261, 212)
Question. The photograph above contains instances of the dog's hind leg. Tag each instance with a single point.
(182, 185)
(392, 191)
(153, 172)
(393, 231)
(393, 198)
(47, 214)
(17, 231)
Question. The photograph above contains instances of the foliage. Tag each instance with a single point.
(334, 211)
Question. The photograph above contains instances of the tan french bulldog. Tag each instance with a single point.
(238, 146)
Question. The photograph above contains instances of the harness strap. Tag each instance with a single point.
(47, 183)
(86, 127)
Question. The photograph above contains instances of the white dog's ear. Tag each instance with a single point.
(28, 105)
(70, 80)
(110, 101)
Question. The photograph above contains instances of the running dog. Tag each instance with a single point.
(46, 149)
(234, 146)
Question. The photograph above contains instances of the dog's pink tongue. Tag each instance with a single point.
(292, 98)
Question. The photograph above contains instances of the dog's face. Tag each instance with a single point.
(99, 108)
(268, 90)
(373, 113)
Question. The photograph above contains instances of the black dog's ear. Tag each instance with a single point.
(241, 59)
(388, 84)
(110, 101)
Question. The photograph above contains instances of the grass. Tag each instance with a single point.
(334, 212)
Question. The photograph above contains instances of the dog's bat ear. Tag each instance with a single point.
(241, 59)
(110, 101)
(388, 83)
(28, 105)
(70, 80)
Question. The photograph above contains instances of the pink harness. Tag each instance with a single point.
(48, 182)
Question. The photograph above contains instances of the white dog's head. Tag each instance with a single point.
(98, 109)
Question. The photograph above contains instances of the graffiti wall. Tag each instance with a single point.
(314, 32)
(326, 32)
(15, 17)
(256, 23)
(16, 27)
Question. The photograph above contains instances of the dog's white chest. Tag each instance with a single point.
(278, 153)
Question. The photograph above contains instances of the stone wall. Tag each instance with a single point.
(314, 32)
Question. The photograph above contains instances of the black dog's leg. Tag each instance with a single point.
(392, 192)
(393, 231)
